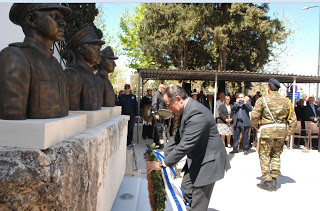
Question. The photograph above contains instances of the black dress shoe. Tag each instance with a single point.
(234, 151)
(267, 185)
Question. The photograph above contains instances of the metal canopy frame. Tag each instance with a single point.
(214, 75)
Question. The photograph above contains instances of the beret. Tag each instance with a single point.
(85, 35)
(127, 85)
(18, 10)
(108, 53)
(275, 82)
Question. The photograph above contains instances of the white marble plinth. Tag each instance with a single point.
(40, 133)
(95, 118)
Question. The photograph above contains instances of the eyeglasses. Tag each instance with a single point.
(168, 105)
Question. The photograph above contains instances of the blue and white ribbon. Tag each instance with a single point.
(173, 190)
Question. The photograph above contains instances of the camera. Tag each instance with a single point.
(241, 101)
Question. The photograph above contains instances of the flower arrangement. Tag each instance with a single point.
(156, 187)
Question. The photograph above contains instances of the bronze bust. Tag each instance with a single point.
(105, 67)
(85, 88)
(32, 81)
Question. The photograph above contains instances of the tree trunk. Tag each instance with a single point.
(222, 59)
(221, 86)
(185, 56)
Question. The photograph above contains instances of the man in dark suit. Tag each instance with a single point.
(241, 123)
(209, 103)
(158, 103)
(311, 111)
(198, 138)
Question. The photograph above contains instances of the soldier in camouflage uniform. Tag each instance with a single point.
(274, 130)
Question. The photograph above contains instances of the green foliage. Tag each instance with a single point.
(82, 15)
(129, 39)
(159, 187)
(238, 36)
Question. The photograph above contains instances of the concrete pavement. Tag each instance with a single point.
(299, 184)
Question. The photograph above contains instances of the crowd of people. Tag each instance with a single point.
(227, 108)
(232, 115)
(200, 139)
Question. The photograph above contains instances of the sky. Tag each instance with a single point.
(300, 52)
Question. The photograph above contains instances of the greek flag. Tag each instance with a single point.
(172, 186)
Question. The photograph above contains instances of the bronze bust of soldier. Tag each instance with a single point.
(32, 81)
(85, 88)
(105, 67)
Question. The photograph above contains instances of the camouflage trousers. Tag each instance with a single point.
(269, 154)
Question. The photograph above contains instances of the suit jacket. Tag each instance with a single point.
(198, 138)
(310, 114)
(206, 103)
(245, 113)
(223, 112)
(300, 112)
(158, 102)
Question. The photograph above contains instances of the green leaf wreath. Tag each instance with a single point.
(156, 187)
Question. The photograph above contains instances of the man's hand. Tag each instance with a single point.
(287, 138)
(136, 117)
(157, 117)
(152, 165)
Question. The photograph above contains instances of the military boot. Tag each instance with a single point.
(266, 185)
(274, 186)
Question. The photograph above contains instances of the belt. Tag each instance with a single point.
(272, 125)
(239, 120)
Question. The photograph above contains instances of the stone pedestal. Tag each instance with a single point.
(95, 118)
(83, 172)
(40, 133)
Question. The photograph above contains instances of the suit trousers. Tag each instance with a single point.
(198, 197)
(158, 129)
(240, 128)
(130, 130)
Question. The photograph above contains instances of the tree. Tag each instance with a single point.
(210, 36)
(118, 79)
(244, 35)
(82, 15)
(129, 39)
(167, 33)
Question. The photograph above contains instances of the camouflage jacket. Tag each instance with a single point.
(279, 106)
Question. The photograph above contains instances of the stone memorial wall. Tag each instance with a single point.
(81, 173)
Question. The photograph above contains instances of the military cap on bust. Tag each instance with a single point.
(18, 11)
(275, 82)
(85, 35)
(108, 53)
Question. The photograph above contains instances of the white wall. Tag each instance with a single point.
(11, 32)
